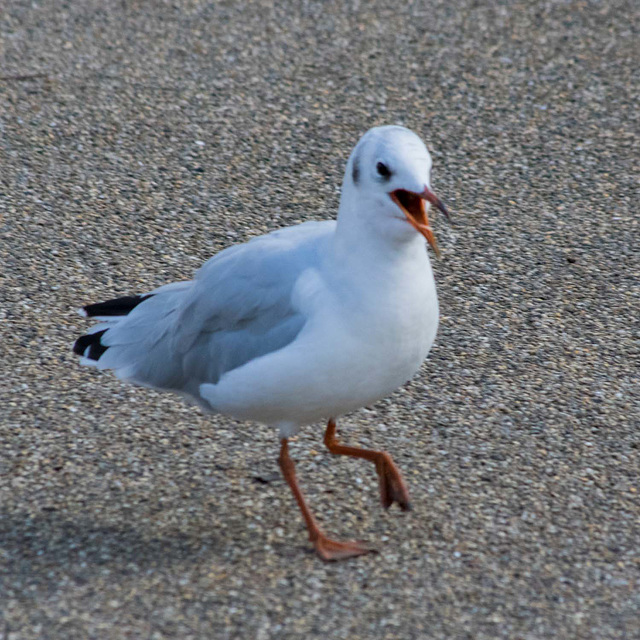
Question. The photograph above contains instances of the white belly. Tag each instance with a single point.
(344, 359)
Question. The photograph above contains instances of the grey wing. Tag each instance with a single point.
(235, 313)
(236, 309)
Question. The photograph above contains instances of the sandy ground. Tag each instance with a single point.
(138, 138)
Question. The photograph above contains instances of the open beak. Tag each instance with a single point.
(412, 205)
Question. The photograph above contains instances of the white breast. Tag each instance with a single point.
(355, 349)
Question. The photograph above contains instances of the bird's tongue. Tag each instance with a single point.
(414, 209)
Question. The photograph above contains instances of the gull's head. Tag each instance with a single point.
(388, 183)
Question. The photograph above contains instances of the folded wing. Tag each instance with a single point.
(184, 334)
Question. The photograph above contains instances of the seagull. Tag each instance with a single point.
(301, 325)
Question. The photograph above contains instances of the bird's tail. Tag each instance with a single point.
(134, 336)
(110, 312)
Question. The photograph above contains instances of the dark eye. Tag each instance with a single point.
(383, 170)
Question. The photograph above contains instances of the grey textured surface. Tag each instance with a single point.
(138, 138)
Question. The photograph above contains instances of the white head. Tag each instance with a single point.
(386, 184)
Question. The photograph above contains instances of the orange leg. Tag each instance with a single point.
(392, 486)
(326, 548)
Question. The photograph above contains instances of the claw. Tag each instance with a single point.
(330, 550)
(392, 486)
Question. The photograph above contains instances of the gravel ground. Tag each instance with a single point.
(138, 138)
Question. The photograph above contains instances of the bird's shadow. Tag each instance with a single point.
(34, 548)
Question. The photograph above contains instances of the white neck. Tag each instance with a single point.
(362, 251)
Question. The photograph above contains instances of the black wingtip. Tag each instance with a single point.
(114, 307)
(92, 342)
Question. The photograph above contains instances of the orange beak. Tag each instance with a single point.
(413, 207)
